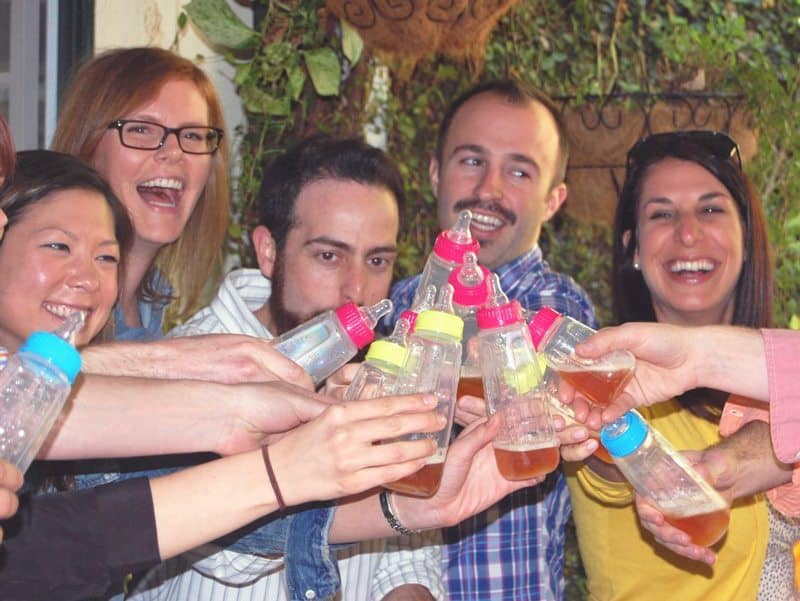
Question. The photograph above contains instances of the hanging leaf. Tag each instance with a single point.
(323, 66)
(352, 44)
(296, 81)
(217, 21)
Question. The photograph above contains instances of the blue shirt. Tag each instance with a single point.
(514, 551)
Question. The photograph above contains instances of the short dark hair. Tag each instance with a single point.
(39, 173)
(516, 93)
(315, 158)
(753, 295)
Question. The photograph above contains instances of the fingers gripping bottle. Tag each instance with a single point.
(526, 445)
(432, 364)
(447, 254)
(600, 380)
(325, 343)
(656, 470)
(378, 373)
(34, 386)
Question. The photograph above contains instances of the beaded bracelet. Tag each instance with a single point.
(390, 516)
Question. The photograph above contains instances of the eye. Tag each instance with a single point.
(472, 162)
(59, 246)
(380, 262)
(520, 174)
(708, 210)
(138, 128)
(659, 215)
(328, 256)
(194, 136)
(114, 259)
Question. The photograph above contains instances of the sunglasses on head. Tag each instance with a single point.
(719, 145)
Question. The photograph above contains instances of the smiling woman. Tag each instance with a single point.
(151, 123)
(62, 247)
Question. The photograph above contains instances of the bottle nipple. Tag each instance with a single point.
(373, 314)
(460, 232)
(469, 274)
(400, 332)
(70, 327)
(495, 297)
(444, 300)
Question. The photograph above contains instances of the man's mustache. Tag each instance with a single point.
(475, 203)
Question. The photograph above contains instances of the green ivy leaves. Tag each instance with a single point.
(220, 24)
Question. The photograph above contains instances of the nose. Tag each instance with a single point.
(354, 285)
(170, 148)
(689, 229)
(489, 186)
(84, 275)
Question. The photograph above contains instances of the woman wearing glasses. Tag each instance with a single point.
(690, 248)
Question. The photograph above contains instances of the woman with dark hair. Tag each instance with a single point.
(690, 248)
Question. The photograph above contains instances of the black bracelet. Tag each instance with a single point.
(391, 518)
(272, 479)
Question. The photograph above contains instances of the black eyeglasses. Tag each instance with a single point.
(146, 135)
(719, 145)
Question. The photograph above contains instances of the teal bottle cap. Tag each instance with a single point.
(56, 350)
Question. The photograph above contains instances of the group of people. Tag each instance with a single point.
(177, 368)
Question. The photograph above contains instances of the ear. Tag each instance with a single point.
(265, 249)
(626, 240)
(433, 174)
(555, 198)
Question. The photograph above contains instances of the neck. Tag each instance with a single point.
(264, 316)
(137, 264)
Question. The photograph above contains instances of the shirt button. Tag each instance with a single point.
(311, 594)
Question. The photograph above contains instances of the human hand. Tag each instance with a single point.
(224, 358)
(344, 451)
(469, 409)
(470, 483)
(262, 413)
(664, 367)
(667, 535)
(10, 481)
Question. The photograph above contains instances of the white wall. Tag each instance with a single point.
(125, 23)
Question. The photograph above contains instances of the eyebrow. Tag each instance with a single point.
(708, 196)
(514, 156)
(327, 241)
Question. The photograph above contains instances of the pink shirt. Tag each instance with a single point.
(783, 412)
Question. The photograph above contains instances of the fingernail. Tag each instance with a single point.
(580, 434)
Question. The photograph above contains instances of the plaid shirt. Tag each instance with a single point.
(514, 551)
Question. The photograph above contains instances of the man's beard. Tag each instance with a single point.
(282, 318)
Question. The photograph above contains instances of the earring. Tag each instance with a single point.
(636, 266)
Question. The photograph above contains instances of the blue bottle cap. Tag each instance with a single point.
(624, 436)
(56, 350)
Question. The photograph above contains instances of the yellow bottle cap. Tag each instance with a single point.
(388, 352)
(441, 322)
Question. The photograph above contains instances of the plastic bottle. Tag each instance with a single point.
(34, 386)
(432, 364)
(526, 445)
(469, 281)
(377, 375)
(600, 380)
(656, 470)
(323, 344)
(448, 253)
(427, 300)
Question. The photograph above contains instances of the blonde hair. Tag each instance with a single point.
(114, 84)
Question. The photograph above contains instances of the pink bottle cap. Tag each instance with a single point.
(502, 315)
(411, 317)
(453, 251)
(469, 296)
(541, 322)
(355, 324)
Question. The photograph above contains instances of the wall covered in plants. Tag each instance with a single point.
(302, 69)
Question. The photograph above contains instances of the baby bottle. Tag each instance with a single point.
(656, 470)
(600, 380)
(526, 445)
(469, 282)
(432, 364)
(34, 386)
(326, 342)
(377, 375)
(448, 253)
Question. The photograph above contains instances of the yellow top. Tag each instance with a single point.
(624, 563)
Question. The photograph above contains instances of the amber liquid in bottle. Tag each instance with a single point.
(471, 385)
(704, 529)
(521, 464)
(423, 483)
(600, 387)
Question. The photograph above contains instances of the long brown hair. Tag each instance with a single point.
(7, 154)
(114, 84)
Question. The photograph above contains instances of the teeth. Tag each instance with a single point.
(698, 265)
(163, 182)
(62, 310)
(486, 220)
